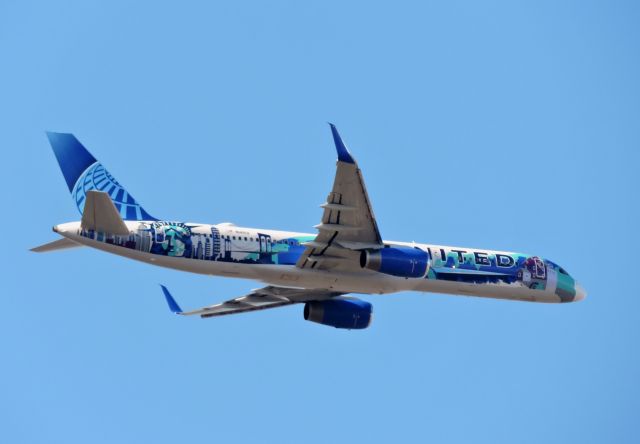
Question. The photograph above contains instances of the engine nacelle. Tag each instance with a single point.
(346, 313)
(407, 262)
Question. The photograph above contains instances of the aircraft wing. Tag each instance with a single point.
(348, 223)
(260, 299)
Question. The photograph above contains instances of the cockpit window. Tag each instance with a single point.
(557, 267)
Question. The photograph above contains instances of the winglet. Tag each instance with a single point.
(173, 305)
(343, 153)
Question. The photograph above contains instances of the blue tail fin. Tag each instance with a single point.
(83, 173)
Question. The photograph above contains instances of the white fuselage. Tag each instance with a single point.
(288, 275)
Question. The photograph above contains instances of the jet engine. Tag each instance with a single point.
(406, 262)
(349, 313)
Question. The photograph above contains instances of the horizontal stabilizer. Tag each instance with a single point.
(60, 244)
(100, 214)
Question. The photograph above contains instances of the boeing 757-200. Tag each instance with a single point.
(347, 255)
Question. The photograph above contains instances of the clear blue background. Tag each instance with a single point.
(506, 125)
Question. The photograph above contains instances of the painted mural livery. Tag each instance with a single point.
(205, 242)
(213, 243)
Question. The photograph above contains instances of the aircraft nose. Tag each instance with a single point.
(580, 293)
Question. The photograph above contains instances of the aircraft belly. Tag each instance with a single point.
(496, 291)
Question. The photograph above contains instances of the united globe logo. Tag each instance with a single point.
(96, 177)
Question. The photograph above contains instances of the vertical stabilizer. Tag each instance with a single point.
(84, 173)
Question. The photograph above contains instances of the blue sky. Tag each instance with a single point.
(506, 125)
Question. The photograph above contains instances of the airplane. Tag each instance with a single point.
(347, 255)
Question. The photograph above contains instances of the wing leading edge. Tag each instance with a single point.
(260, 299)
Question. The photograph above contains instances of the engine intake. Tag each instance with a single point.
(349, 313)
(407, 262)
